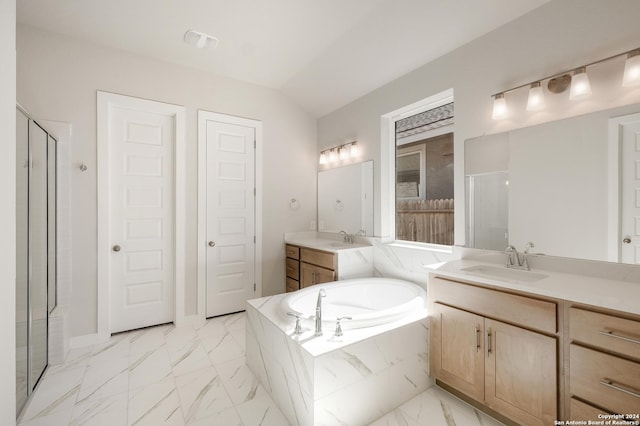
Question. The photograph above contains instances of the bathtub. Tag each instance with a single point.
(368, 301)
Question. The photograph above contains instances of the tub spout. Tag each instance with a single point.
(321, 294)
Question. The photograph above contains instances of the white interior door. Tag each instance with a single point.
(230, 215)
(142, 217)
(630, 190)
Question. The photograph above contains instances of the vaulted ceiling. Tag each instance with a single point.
(321, 53)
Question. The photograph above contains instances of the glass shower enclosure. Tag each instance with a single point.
(35, 251)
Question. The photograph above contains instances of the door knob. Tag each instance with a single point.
(626, 240)
(212, 244)
(116, 248)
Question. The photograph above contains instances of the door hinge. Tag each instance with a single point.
(254, 192)
(254, 287)
(254, 144)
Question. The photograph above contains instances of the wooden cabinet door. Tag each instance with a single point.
(457, 356)
(311, 275)
(520, 373)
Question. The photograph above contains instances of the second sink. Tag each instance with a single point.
(504, 274)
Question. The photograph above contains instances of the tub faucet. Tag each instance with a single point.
(321, 294)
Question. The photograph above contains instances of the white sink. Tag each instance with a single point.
(504, 274)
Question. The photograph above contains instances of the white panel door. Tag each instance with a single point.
(230, 216)
(141, 218)
(630, 190)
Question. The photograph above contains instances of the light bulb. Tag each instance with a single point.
(580, 86)
(631, 75)
(333, 157)
(499, 107)
(323, 158)
(536, 97)
(344, 154)
(355, 151)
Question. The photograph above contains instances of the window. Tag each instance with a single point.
(419, 140)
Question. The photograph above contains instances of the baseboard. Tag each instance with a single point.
(87, 340)
(191, 320)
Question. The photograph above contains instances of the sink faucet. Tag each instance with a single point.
(510, 251)
(513, 257)
(346, 238)
(321, 294)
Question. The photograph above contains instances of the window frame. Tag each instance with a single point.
(388, 167)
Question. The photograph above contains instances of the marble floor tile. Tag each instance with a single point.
(104, 378)
(108, 411)
(149, 367)
(192, 375)
(202, 394)
(156, 404)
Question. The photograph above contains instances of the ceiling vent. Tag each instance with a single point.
(200, 40)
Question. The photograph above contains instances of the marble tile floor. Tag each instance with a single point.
(166, 375)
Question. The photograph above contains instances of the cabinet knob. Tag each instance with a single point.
(626, 240)
(116, 248)
(212, 244)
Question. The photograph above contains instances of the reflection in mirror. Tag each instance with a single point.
(345, 199)
(424, 177)
(569, 186)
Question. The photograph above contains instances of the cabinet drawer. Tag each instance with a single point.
(582, 411)
(605, 331)
(609, 381)
(292, 285)
(512, 308)
(293, 269)
(293, 251)
(319, 258)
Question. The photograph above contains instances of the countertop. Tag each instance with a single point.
(324, 244)
(606, 293)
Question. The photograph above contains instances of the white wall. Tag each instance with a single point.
(558, 36)
(8, 211)
(57, 80)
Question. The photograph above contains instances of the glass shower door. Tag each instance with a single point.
(22, 257)
(38, 253)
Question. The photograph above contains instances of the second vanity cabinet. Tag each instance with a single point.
(498, 348)
(306, 267)
(604, 367)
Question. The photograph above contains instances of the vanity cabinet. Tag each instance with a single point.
(306, 267)
(604, 366)
(498, 348)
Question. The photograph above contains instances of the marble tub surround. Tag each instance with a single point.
(619, 292)
(329, 380)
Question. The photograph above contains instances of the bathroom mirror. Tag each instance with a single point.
(345, 199)
(557, 184)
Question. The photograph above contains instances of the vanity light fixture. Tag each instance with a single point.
(499, 106)
(339, 153)
(558, 83)
(535, 102)
(631, 75)
(580, 86)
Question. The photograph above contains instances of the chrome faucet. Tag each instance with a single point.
(321, 294)
(346, 238)
(510, 251)
(513, 257)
